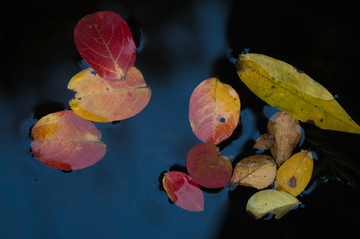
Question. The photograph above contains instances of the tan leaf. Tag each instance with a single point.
(264, 141)
(257, 171)
(287, 134)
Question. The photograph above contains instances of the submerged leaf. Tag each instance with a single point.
(214, 111)
(105, 42)
(184, 192)
(295, 174)
(256, 171)
(264, 141)
(270, 201)
(105, 101)
(207, 168)
(284, 87)
(336, 165)
(287, 134)
(65, 141)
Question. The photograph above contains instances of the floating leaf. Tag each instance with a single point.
(284, 87)
(257, 171)
(63, 140)
(270, 201)
(214, 111)
(207, 168)
(287, 134)
(105, 42)
(295, 174)
(105, 101)
(184, 192)
(264, 141)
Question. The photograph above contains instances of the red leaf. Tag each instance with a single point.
(184, 192)
(207, 168)
(214, 111)
(63, 140)
(105, 101)
(105, 42)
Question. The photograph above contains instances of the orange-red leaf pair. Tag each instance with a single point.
(63, 140)
(104, 101)
(207, 168)
(184, 192)
(105, 42)
(214, 111)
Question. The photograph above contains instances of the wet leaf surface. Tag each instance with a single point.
(265, 141)
(257, 171)
(287, 134)
(270, 201)
(63, 140)
(184, 192)
(105, 42)
(105, 101)
(207, 168)
(284, 87)
(295, 174)
(214, 111)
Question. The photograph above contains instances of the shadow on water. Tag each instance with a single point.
(295, 32)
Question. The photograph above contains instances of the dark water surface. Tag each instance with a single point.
(181, 43)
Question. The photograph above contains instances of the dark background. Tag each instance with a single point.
(181, 43)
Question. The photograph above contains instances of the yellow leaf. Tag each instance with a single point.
(287, 133)
(284, 87)
(295, 174)
(270, 201)
(257, 171)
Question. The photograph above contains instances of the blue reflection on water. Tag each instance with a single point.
(309, 189)
(249, 124)
(269, 111)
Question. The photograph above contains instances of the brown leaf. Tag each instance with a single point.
(264, 141)
(257, 171)
(287, 134)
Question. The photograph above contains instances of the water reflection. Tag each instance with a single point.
(119, 195)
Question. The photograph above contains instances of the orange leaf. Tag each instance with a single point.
(214, 111)
(184, 192)
(63, 140)
(104, 101)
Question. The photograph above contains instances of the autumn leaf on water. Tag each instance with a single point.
(65, 141)
(207, 168)
(284, 87)
(184, 192)
(287, 134)
(214, 111)
(270, 201)
(295, 174)
(105, 42)
(105, 101)
(264, 141)
(257, 171)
